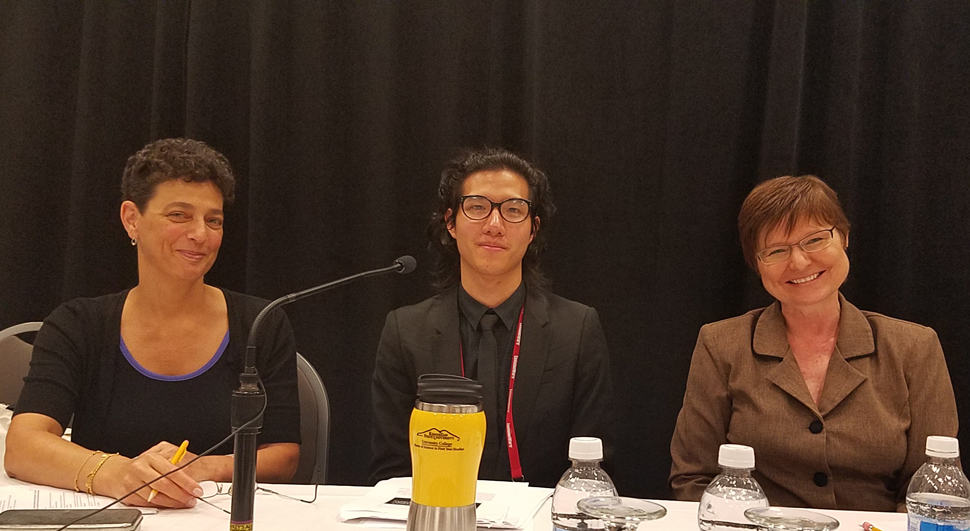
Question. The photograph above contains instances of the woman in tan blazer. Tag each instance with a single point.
(836, 402)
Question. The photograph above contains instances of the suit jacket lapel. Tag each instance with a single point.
(770, 339)
(445, 343)
(854, 340)
(532, 361)
(840, 380)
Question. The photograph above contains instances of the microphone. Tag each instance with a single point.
(406, 264)
(249, 400)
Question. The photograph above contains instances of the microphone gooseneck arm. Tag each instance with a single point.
(402, 265)
(249, 399)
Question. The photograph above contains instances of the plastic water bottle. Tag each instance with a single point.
(583, 480)
(938, 498)
(731, 492)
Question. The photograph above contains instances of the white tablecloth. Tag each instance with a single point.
(275, 513)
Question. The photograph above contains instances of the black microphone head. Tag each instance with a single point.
(406, 264)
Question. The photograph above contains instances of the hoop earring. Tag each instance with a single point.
(134, 242)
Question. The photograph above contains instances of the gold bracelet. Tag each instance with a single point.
(80, 468)
(89, 483)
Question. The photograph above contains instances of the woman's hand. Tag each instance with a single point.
(35, 452)
(121, 475)
(208, 468)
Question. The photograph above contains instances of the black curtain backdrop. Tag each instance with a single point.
(653, 119)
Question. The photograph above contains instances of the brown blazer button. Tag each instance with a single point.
(815, 426)
(820, 479)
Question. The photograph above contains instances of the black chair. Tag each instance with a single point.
(15, 359)
(314, 425)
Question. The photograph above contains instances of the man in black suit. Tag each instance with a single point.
(486, 232)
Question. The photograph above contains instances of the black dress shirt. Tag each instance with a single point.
(471, 312)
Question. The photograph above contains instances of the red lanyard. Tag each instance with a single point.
(514, 465)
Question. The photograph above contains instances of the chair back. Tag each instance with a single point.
(14, 360)
(314, 424)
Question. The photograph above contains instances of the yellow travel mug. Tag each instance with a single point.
(447, 434)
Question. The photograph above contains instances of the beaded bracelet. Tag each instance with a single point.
(80, 468)
(89, 483)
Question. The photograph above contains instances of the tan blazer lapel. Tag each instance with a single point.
(787, 377)
(770, 339)
(840, 380)
(855, 334)
(855, 340)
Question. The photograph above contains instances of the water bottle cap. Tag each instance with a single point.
(586, 448)
(939, 446)
(735, 456)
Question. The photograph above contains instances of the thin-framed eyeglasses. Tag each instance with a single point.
(479, 207)
(812, 243)
(212, 489)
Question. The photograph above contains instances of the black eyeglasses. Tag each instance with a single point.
(478, 207)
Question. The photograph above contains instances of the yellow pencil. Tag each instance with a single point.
(179, 454)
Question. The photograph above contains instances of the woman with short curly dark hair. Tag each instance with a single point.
(141, 370)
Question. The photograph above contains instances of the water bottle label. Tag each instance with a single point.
(917, 523)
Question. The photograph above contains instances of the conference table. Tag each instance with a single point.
(276, 513)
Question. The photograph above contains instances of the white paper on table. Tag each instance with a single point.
(38, 497)
(502, 504)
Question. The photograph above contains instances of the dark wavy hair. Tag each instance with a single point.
(444, 248)
(168, 159)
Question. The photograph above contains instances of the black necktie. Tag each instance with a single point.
(487, 362)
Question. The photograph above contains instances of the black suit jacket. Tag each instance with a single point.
(562, 386)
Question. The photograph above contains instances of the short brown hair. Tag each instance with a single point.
(786, 200)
